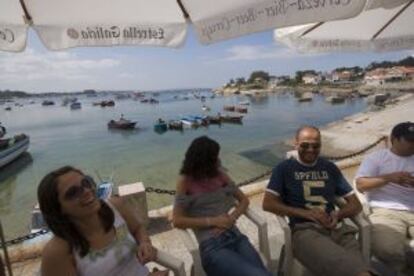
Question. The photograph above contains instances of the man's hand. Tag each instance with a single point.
(401, 178)
(146, 252)
(334, 220)
(318, 215)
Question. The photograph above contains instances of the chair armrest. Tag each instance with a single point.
(171, 262)
(286, 256)
(364, 228)
(192, 246)
(364, 238)
(261, 224)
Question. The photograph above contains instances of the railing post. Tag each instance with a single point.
(134, 195)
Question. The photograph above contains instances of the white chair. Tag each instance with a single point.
(191, 244)
(289, 266)
(170, 262)
(367, 211)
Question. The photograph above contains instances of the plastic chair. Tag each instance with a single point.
(289, 266)
(191, 244)
(5, 254)
(171, 262)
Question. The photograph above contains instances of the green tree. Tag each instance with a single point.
(258, 74)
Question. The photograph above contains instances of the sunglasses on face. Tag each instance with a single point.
(306, 146)
(75, 192)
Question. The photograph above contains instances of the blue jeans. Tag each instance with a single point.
(231, 253)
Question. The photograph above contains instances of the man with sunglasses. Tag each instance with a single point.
(304, 189)
(386, 176)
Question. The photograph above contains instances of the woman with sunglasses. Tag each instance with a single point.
(91, 236)
(205, 195)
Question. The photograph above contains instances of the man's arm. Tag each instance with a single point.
(274, 204)
(369, 183)
(352, 207)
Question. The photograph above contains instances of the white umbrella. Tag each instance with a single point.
(13, 29)
(219, 20)
(382, 26)
(70, 23)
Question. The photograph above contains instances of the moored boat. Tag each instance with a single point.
(175, 125)
(235, 119)
(160, 126)
(12, 148)
(241, 109)
(121, 124)
(229, 108)
(75, 105)
(47, 103)
(214, 119)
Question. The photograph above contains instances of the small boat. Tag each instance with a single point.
(214, 119)
(236, 119)
(12, 148)
(153, 101)
(205, 108)
(160, 126)
(190, 121)
(8, 108)
(75, 105)
(244, 103)
(108, 103)
(175, 125)
(335, 99)
(241, 109)
(306, 97)
(47, 103)
(229, 107)
(121, 124)
(203, 98)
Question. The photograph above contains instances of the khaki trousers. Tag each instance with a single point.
(328, 252)
(392, 231)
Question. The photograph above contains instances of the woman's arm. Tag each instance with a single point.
(57, 259)
(146, 251)
(241, 207)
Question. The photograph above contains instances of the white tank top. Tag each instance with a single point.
(117, 258)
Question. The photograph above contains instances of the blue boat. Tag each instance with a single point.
(160, 126)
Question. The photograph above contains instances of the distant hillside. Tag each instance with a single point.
(408, 61)
(10, 94)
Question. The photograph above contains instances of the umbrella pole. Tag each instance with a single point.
(6, 255)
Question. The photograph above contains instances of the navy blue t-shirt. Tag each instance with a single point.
(308, 187)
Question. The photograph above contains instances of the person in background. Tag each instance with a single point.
(91, 237)
(304, 189)
(205, 195)
(386, 176)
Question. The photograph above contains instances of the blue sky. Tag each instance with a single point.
(149, 68)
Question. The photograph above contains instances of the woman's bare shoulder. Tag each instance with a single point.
(56, 247)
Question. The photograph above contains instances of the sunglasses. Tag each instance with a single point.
(306, 146)
(75, 192)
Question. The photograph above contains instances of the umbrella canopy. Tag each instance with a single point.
(233, 18)
(13, 29)
(382, 26)
(72, 23)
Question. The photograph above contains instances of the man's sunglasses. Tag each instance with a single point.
(314, 146)
(75, 192)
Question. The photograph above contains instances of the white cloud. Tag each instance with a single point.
(53, 67)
